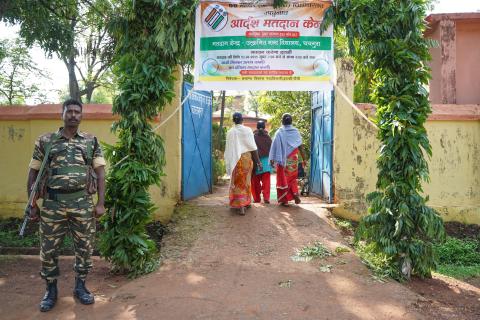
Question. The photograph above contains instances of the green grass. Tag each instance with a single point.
(10, 238)
(458, 258)
(378, 263)
(460, 272)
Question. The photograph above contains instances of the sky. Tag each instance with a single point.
(59, 75)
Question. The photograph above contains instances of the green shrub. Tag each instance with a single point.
(381, 265)
(218, 169)
(218, 137)
(458, 252)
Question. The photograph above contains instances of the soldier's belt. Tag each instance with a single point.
(65, 195)
(68, 170)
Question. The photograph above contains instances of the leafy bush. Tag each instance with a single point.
(387, 43)
(297, 103)
(219, 169)
(380, 264)
(152, 38)
(457, 251)
(218, 148)
(458, 258)
(218, 137)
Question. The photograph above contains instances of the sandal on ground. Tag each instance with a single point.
(297, 199)
(242, 211)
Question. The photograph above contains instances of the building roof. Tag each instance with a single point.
(435, 18)
(453, 16)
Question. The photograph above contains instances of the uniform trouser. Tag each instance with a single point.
(58, 217)
(261, 184)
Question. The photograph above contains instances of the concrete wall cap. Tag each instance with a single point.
(54, 111)
(440, 112)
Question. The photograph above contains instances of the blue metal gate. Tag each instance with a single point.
(196, 142)
(321, 159)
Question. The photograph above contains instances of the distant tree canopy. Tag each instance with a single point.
(297, 103)
(74, 30)
(18, 74)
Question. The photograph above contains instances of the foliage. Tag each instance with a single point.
(459, 258)
(279, 3)
(17, 74)
(9, 235)
(458, 251)
(381, 264)
(297, 103)
(340, 46)
(218, 148)
(152, 37)
(219, 168)
(107, 89)
(74, 30)
(219, 137)
(386, 40)
(459, 271)
(316, 250)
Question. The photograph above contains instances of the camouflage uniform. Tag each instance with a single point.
(67, 206)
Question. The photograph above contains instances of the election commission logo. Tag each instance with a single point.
(215, 17)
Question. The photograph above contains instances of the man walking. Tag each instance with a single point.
(75, 170)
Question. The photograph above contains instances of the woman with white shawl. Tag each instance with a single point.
(239, 151)
(286, 145)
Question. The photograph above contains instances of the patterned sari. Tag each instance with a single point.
(240, 181)
(287, 186)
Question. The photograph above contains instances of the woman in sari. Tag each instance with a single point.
(261, 177)
(239, 152)
(287, 143)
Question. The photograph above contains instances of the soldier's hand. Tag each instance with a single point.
(99, 210)
(34, 214)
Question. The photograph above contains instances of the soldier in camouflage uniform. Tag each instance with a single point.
(75, 164)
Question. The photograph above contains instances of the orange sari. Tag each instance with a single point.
(240, 182)
(287, 186)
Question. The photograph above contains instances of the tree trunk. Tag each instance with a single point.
(222, 110)
(89, 87)
(69, 60)
(72, 79)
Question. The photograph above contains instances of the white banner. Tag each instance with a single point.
(249, 45)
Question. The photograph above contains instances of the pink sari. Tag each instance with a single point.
(287, 186)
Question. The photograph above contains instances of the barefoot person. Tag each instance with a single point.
(261, 178)
(287, 143)
(239, 151)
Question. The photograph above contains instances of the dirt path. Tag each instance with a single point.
(239, 267)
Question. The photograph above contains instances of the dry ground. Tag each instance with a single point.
(220, 265)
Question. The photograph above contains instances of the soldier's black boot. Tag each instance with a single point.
(50, 297)
(81, 292)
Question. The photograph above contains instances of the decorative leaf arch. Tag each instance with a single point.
(386, 41)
